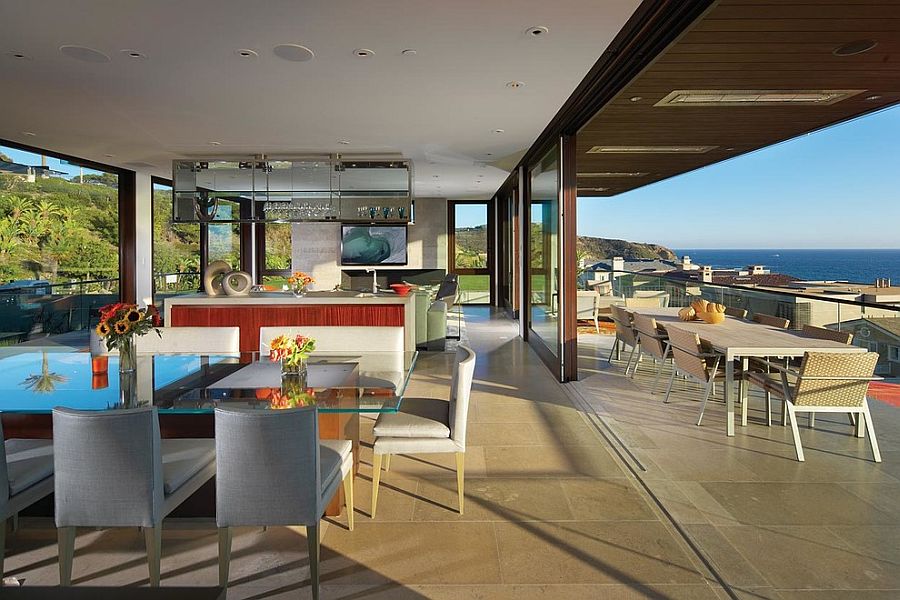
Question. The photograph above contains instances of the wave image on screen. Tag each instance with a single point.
(373, 245)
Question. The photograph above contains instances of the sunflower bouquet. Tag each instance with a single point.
(299, 282)
(120, 322)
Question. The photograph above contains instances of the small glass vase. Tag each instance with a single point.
(294, 369)
(127, 355)
(299, 291)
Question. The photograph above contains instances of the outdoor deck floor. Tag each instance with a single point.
(553, 509)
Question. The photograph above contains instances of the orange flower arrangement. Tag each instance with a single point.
(291, 395)
(291, 350)
(299, 281)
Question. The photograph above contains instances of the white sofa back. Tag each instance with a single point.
(196, 340)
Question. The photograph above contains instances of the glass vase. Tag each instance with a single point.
(299, 291)
(127, 355)
(294, 369)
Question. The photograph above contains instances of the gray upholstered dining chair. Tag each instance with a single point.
(113, 470)
(26, 476)
(274, 470)
(428, 426)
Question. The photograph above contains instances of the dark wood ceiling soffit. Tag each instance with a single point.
(652, 27)
(744, 45)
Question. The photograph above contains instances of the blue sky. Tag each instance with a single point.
(29, 158)
(836, 188)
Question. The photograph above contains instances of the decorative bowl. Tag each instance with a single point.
(401, 289)
(713, 318)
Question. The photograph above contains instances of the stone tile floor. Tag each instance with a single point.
(769, 526)
(557, 506)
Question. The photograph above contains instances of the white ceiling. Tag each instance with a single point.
(439, 107)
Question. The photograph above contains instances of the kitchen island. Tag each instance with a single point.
(274, 309)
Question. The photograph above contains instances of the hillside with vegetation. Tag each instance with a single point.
(471, 247)
(58, 230)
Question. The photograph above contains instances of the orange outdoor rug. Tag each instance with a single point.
(889, 393)
(588, 328)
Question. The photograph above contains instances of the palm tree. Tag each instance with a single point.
(45, 382)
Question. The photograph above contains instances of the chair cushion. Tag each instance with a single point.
(28, 462)
(184, 458)
(332, 454)
(418, 418)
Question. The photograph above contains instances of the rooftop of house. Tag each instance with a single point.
(653, 265)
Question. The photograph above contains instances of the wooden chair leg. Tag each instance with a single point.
(224, 555)
(870, 430)
(376, 479)
(387, 463)
(460, 478)
(153, 541)
(792, 417)
(66, 537)
(348, 498)
(312, 541)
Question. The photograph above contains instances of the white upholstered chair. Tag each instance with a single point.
(26, 476)
(274, 470)
(428, 426)
(113, 470)
(196, 340)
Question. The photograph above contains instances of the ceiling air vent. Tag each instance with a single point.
(650, 149)
(756, 97)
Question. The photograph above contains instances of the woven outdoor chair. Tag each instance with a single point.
(625, 335)
(739, 313)
(652, 341)
(825, 382)
(823, 333)
(771, 321)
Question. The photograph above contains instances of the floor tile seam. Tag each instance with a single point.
(737, 552)
(497, 550)
(855, 547)
(702, 563)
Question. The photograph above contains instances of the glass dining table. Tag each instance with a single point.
(187, 388)
(34, 380)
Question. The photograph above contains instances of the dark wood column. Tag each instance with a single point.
(127, 236)
(569, 239)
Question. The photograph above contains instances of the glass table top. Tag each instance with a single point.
(34, 380)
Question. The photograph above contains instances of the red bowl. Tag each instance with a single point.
(401, 289)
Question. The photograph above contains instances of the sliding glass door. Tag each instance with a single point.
(471, 255)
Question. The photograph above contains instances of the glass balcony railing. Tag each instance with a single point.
(875, 327)
(43, 309)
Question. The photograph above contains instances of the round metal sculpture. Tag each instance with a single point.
(237, 283)
(213, 275)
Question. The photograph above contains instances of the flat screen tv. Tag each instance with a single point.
(370, 245)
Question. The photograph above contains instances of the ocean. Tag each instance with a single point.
(859, 266)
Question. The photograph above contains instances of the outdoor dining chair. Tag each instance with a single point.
(823, 333)
(825, 382)
(625, 335)
(274, 470)
(112, 469)
(652, 341)
(26, 476)
(771, 321)
(738, 313)
(428, 426)
(694, 362)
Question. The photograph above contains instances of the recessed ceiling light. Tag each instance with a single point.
(592, 189)
(344, 142)
(293, 52)
(854, 47)
(215, 143)
(514, 85)
(84, 54)
(409, 52)
(729, 149)
(613, 174)
(636, 98)
(498, 131)
(109, 155)
(537, 31)
(29, 133)
(488, 153)
(650, 149)
(363, 53)
(873, 97)
(246, 53)
(135, 54)
(18, 55)
(755, 97)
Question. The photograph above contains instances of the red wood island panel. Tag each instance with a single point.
(250, 317)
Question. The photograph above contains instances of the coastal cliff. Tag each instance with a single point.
(597, 248)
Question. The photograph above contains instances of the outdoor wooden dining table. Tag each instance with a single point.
(737, 339)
